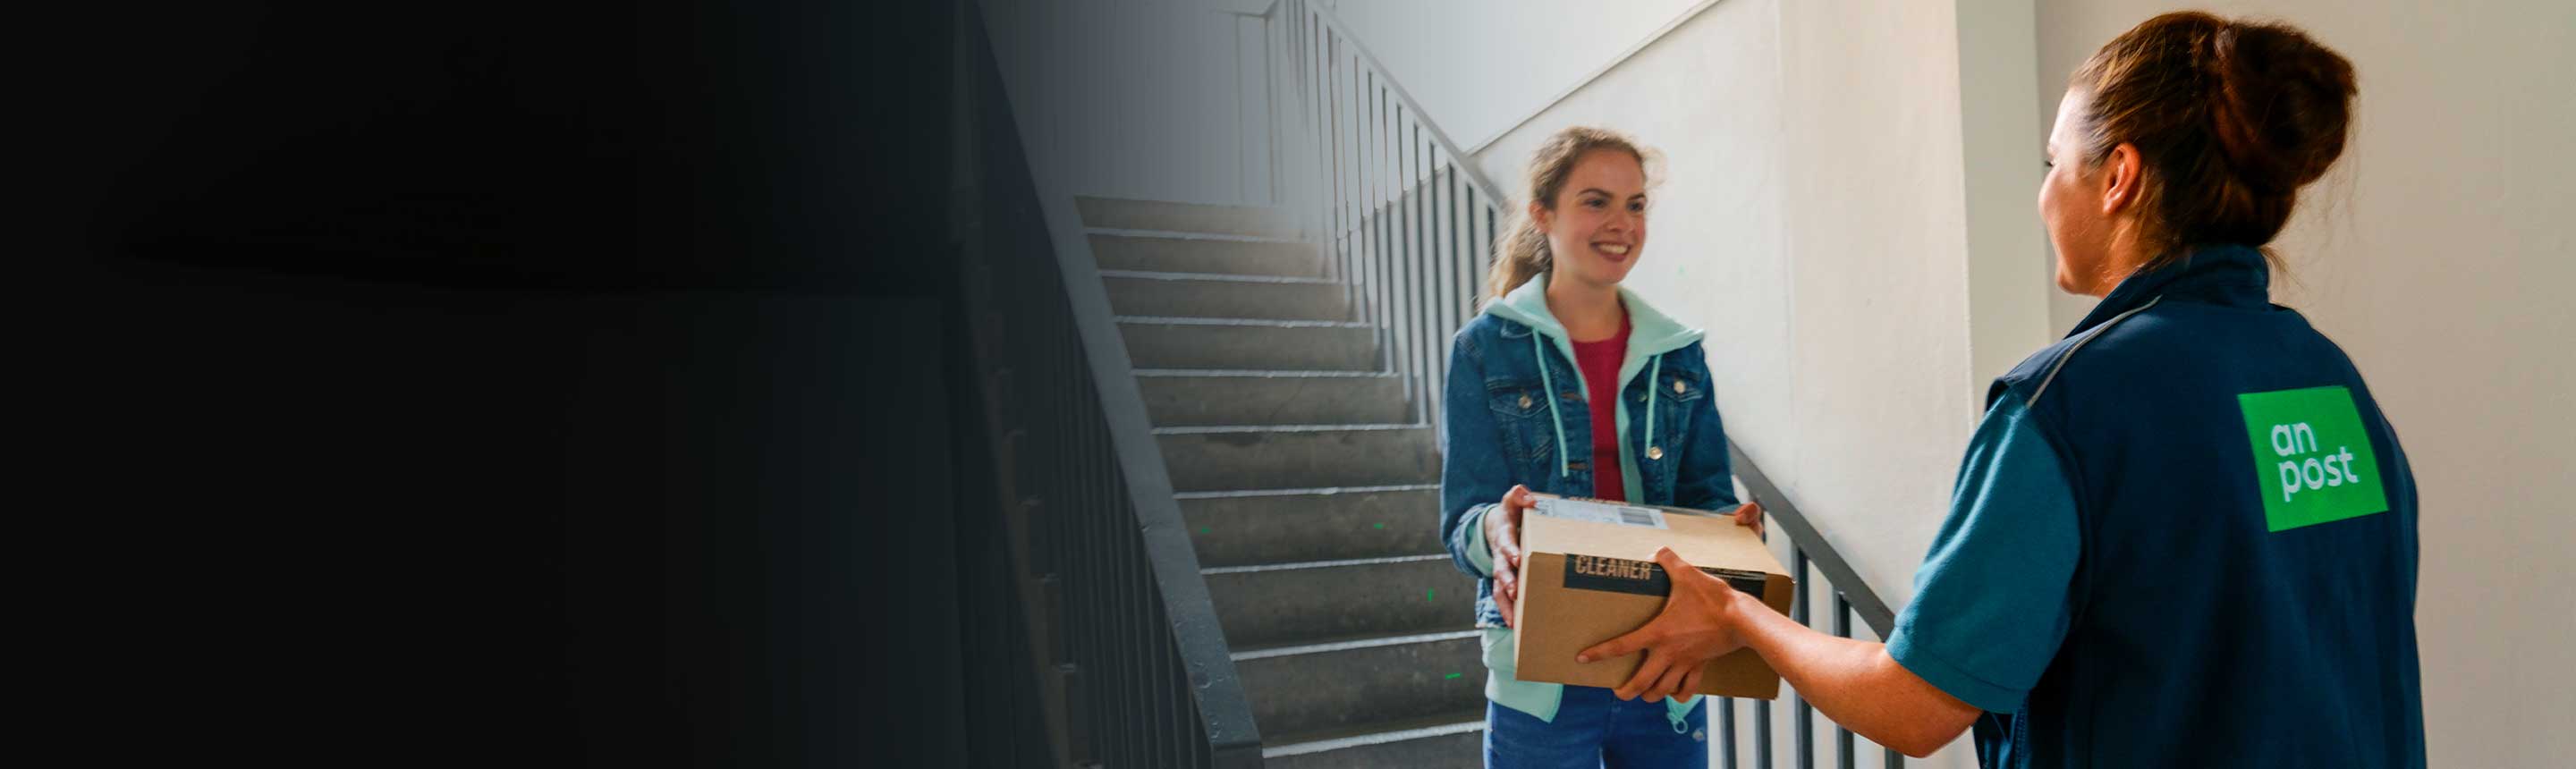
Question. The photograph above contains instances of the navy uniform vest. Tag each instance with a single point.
(2242, 599)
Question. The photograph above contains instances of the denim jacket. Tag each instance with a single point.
(1516, 411)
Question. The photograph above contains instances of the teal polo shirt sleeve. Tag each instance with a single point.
(1990, 602)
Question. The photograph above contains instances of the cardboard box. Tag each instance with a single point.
(1588, 575)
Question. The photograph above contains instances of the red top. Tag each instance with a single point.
(1600, 364)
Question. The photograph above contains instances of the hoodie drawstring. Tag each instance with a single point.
(1564, 466)
(1651, 379)
(1539, 353)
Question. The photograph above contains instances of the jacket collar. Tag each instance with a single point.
(2229, 275)
(1650, 331)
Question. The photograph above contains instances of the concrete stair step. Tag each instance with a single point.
(1448, 741)
(1203, 397)
(1362, 682)
(1274, 604)
(1207, 295)
(1298, 456)
(1278, 345)
(1242, 528)
(1131, 214)
(1147, 251)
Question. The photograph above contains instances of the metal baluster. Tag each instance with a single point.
(1157, 663)
(1762, 733)
(1325, 107)
(1371, 255)
(1368, 197)
(1391, 228)
(1409, 230)
(1480, 250)
(1842, 736)
(1346, 184)
(1726, 733)
(1269, 104)
(1098, 674)
(1417, 269)
(1356, 108)
(1380, 238)
(1457, 254)
(1436, 276)
(1806, 715)
(1124, 598)
(1762, 720)
(1412, 268)
(1319, 64)
(1493, 231)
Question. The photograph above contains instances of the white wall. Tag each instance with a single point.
(1479, 65)
(2433, 254)
(2010, 270)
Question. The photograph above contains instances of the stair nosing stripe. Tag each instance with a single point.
(1364, 643)
(1218, 277)
(1257, 373)
(1223, 237)
(1305, 491)
(1373, 738)
(1184, 320)
(1214, 429)
(1297, 565)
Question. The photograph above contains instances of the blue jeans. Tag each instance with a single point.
(1594, 728)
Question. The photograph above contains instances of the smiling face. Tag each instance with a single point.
(1597, 229)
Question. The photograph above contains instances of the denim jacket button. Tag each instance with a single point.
(1654, 452)
(1525, 401)
(1677, 386)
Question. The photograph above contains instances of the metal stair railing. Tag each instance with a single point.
(1122, 636)
(1405, 216)
(1809, 553)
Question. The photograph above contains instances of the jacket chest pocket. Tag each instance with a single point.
(1678, 388)
(1520, 411)
(1677, 393)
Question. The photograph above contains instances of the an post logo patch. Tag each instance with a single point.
(2311, 457)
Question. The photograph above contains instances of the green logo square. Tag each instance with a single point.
(2312, 460)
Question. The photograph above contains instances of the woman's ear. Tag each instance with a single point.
(1539, 215)
(2123, 171)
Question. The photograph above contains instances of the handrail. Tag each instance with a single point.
(1134, 633)
(1808, 551)
(1404, 216)
(1872, 609)
(1468, 169)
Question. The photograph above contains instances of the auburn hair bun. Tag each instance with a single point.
(2282, 105)
(2230, 119)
